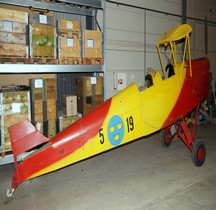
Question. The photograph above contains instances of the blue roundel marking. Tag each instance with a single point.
(115, 130)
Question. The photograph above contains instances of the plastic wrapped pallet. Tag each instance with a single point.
(13, 34)
(42, 40)
(42, 35)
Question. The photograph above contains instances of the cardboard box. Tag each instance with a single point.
(70, 105)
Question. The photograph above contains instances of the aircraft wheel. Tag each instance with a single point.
(9, 192)
(198, 154)
(166, 138)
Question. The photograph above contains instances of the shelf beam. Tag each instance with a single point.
(88, 3)
(47, 68)
(53, 6)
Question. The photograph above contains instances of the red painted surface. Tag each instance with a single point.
(63, 144)
(24, 136)
(194, 90)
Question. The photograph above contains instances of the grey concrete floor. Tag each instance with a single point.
(137, 176)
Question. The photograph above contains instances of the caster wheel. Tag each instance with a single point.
(9, 192)
(166, 137)
(198, 154)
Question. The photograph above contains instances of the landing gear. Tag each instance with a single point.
(9, 192)
(187, 134)
(166, 137)
(198, 153)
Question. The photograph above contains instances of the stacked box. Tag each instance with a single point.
(70, 105)
(65, 121)
(13, 35)
(69, 39)
(89, 91)
(67, 26)
(42, 36)
(43, 96)
(14, 107)
(92, 44)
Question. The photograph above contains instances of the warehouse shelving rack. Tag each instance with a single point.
(86, 8)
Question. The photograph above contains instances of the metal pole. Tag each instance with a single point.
(206, 35)
(184, 11)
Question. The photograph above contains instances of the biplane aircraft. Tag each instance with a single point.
(162, 104)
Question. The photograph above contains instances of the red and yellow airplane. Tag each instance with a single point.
(162, 104)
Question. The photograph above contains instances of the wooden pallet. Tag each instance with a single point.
(13, 60)
(71, 60)
(42, 60)
(90, 61)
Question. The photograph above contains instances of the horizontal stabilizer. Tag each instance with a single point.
(24, 136)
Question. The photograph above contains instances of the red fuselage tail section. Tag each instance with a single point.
(24, 136)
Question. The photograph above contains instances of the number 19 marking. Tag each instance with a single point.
(130, 123)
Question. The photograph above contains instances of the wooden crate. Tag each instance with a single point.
(13, 38)
(42, 40)
(47, 128)
(52, 128)
(88, 86)
(43, 96)
(37, 110)
(13, 50)
(14, 107)
(10, 120)
(92, 44)
(51, 109)
(13, 15)
(69, 47)
(38, 18)
(68, 25)
(88, 103)
(42, 51)
(13, 42)
(51, 88)
(64, 121)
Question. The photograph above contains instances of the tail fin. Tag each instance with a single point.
(24, 136)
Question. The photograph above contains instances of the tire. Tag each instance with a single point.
(166, 138)
(198, 154)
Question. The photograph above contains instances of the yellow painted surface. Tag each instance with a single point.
(141, 112)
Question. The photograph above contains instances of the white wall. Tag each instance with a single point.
(131, 35)
(199, 9)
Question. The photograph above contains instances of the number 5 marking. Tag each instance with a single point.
(101, 135)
